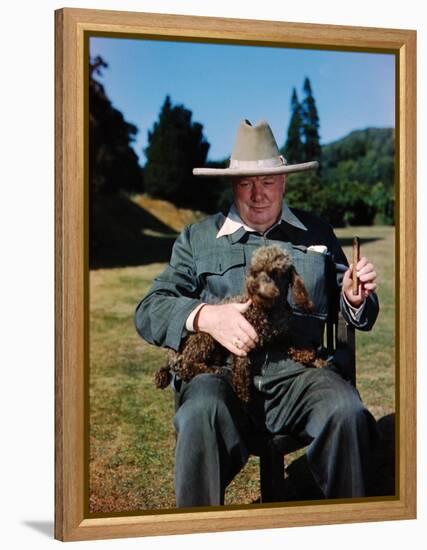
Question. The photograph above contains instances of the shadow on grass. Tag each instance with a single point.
(121, 234)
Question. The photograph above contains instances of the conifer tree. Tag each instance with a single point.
(310, 124)
(294, 149)
(175, 146)
(113, 164)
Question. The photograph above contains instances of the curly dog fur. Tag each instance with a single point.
(271, 275)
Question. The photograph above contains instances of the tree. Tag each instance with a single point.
(310, 125)
(294, 147)
(304, 191)
(113, 164)
(358, 172)
(175, 146)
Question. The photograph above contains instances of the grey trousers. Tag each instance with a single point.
(317, 405)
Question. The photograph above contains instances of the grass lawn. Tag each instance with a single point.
(131, 434)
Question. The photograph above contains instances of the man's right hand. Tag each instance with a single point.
(226, 324)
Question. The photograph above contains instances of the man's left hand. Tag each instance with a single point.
(367, 282)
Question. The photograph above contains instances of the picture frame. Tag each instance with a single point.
(72, 28)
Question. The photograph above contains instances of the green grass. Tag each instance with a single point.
(131, 434)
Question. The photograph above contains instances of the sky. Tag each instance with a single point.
(222, 84)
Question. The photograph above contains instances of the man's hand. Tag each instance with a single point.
(367, 282)
(226, 324)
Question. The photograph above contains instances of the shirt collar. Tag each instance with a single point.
(233, 222)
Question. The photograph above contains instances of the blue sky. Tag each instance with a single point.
(221, 84)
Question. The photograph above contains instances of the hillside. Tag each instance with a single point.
(363, 155)
(167, 213)
(355, 183)
(126, 231)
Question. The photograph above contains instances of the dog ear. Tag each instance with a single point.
(299, 292)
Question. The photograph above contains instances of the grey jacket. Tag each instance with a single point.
(204, 268)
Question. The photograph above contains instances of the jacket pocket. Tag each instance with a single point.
(221, 274)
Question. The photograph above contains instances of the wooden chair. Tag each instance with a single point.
(271, 450)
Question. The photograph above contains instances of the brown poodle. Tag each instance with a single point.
(271, 275)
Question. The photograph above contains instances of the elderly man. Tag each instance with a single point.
(208, 263)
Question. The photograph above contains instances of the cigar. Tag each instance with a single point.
(356, 258)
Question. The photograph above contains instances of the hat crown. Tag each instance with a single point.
(254, 143)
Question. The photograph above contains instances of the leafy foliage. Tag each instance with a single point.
(358, 176)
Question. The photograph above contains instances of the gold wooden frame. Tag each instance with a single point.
(72, 26)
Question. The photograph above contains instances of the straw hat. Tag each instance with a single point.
(255, 153)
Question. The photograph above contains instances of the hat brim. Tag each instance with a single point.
(256, 171)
